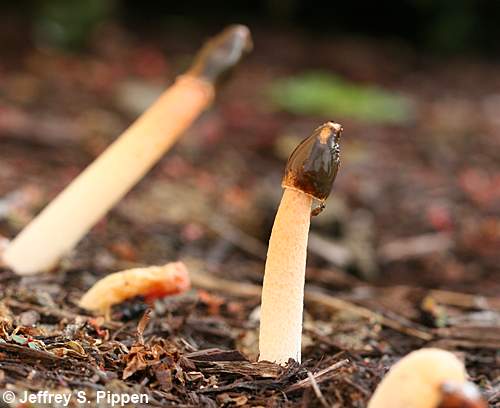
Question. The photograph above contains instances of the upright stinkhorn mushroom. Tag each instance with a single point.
(59, 227)
(427, 378)
(309, 175)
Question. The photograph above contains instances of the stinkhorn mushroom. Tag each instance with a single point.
(309, 175)
(427, 378)
(151, 283)
(59, 227)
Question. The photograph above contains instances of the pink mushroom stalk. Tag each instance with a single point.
(61, 225)
(309, 175)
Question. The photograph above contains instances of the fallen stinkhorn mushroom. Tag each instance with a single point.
(309, 175)
(59, 227)
(427, 378)
(151, 283)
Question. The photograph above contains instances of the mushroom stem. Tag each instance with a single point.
(309, 175)
(59, 227)
(427, 378)
(284, 278)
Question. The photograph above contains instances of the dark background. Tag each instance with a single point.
(438, 26)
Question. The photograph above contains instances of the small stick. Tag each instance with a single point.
(465, 300)
(59, 227)
(237, 237)
(337, 254)
(317, 390)
(249, 290)
(319, 377)
(415, 247)
(340, 304)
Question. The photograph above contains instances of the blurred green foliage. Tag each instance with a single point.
(68, 24)
(321, 93)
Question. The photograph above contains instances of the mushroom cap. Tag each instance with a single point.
(313, 165)
(221, 53)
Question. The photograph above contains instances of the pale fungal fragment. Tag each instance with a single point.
(150, 282)
(59, 227)
(309, 175)
(427, 378)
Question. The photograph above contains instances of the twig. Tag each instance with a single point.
(26, 352)
(467, 344)
(211, 282)
(403, 325)
(317, 390)
(44, 310)
(237, 237)
(143, 323)
(472, 333)
(330, 251)
(244, 289)
(319, 377)
(362, 390)
(465, 300)
(63, 314)
(415, 247)
(45, 129)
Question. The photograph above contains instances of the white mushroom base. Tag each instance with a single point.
(283, 288)
(415, 381)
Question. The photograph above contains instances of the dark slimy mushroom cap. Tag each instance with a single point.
(313, 165)
(461, 396)
(221, 53)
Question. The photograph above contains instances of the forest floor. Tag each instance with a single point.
(404, 256)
